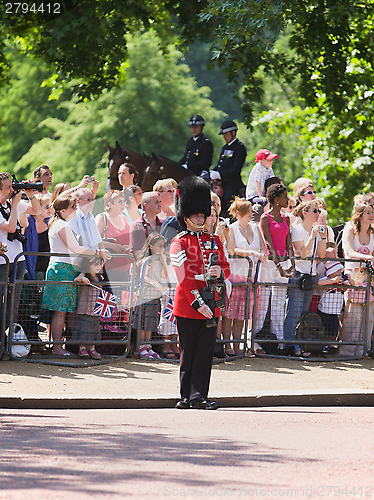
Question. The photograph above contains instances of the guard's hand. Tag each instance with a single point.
(206, 311)
(215, 271)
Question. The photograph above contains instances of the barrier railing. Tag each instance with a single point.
(353, 337)
(316, 331)
(115, 325)
(156, 341)
(5, 267)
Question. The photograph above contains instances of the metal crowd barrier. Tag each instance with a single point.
(168, 292)
(157, 340)
(356, 319)
(361, 313)
(4, 301)
(115, 330)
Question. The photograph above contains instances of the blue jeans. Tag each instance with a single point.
(297, 303)
(21, 268)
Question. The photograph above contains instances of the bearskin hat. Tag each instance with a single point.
(192, 196)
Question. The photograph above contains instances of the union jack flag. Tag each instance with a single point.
(105, 304)
(168, 312)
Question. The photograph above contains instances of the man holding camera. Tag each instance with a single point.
(190, 255)
(11, 234)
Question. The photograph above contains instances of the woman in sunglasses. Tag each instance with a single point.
(306, 193)
(309, 240)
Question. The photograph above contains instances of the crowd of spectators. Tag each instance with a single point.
(142, 225)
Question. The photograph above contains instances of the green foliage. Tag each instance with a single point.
(87, 40)
(223, 94)
(23, 105)
(148, 111)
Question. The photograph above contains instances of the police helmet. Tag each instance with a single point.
(228, 126)
(196, 120)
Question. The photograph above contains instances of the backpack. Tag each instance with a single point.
(310, 327)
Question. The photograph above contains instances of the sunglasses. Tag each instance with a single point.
(168, 191)
(315, 211)
(87, 199)
(309, 192)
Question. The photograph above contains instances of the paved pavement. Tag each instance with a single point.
(246, 382)
(246, 453)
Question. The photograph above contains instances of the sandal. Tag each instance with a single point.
(302, 354)
(230, 352)
(168, 355)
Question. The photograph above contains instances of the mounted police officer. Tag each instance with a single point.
(230, 163)
(199, 150)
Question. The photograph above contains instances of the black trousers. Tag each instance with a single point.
(197, 349)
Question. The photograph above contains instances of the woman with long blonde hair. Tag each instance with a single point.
(358, 243)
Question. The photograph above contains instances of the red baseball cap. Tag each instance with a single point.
(265, 154)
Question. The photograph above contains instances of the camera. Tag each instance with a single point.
(322, 229)
(17, 235)
(17, 186)
(92, 178)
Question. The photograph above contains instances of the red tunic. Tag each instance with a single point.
(188, 251)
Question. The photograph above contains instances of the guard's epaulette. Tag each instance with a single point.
(182, 233)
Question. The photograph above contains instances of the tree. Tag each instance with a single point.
(148, 111)
(86, 40)
(23, 105)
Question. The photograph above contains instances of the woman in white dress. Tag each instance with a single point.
(358, 243)
(244, 240)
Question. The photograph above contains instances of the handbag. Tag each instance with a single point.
(306, 282)
(306, 279)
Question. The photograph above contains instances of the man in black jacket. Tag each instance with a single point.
(230, 163)
(199, 150)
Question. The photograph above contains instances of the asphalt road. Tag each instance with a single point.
(230, 453)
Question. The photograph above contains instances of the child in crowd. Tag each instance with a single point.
(87, 326)
(155, 273)
(262, 170)
(331, 272)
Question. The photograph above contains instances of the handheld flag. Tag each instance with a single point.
(105, 304)
(168, 312)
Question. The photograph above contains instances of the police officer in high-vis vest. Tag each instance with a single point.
(230, 163)
(199, 150)
(198, 277)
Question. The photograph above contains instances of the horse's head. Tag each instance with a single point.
(116, 157)
(153, 172)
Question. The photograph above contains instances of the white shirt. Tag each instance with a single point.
(14, 247)
(298, 233)
(57, 245)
